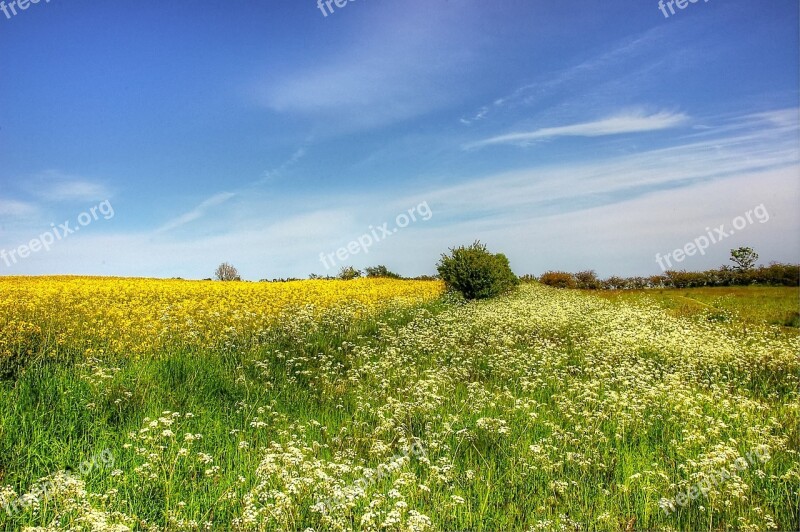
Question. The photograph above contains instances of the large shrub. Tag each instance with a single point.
(475, 272)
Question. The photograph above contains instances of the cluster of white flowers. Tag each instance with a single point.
(710, 479)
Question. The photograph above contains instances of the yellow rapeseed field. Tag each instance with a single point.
(140, 317)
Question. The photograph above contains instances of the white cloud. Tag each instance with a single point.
(630, 122)
(624, 238)
(291, 161)
(383, 73)
(573, 186)
(620, 66)
(196, 213)
(620, 238)
(55, 186)
(16, 208)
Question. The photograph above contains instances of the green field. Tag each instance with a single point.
(739, 304)
(542, 410)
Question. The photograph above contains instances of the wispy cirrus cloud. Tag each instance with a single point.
(620, 66)
(384, 74)
(275, 172)
(196, 213)
(630, 122)
(56, 186)
(744, 145)
(14, 208)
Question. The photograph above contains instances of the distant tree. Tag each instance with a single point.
(744, 258)
(614, 283)
(348, 273)
(226, 272)
(558, 280)
(381, 271)
(588, 280)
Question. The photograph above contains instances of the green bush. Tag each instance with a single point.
(475, 272)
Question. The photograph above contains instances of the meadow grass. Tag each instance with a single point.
(774, 305)
(541, 410)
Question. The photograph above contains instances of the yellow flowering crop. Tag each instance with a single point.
(142, 316)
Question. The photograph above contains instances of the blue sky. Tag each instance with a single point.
(569, 135)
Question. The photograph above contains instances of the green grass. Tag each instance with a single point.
(743, 304)
(52, 418)
(540, 410)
